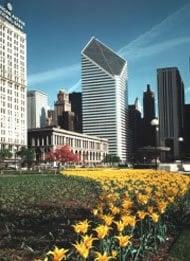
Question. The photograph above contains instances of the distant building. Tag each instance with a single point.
(75, 99)
(149, 115)
(186, 142)
(104, 96)
(91, 149)
(50, 120)
(13, 80)
(37, 106)
(171, 105)
(64, 117)
(134, 129)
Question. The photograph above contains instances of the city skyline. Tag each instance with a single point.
(153, 41)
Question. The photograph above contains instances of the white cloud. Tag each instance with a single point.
(47, 76)
(75, 87)
(145, 44)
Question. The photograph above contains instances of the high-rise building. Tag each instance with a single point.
(171, 105)
(149, 115)
(104, 95)
(134, 129)
(13, 80)
(75, 99)
(37, 105)
(64, 117)
(186, 142)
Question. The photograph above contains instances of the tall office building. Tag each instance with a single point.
(104, 95)
(149, 115)
(75, 99)
(37, 106)
(186, 143)
(135, 129)
(13, 80)
(171, 105)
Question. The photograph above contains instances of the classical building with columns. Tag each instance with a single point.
(90, 148)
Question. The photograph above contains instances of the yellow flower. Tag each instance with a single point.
(114, 253)
(88, 240)
(102, 257)
(155, 217)
(120, 225)
(108, 219)
(81, 227)
(124, 240)
(82, 249)
(114, 210)
(102, 231)
(129, 220)
(141, 214)
(58, 253)
(142, 199)
(127, 204)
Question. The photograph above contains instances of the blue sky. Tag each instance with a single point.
(148, 33)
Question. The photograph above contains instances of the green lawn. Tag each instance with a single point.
(38, 210)
(181, 249)
(21, 192)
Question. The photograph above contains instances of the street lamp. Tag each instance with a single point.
(181, 139)
(155, 124)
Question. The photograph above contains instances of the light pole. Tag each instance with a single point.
(180, 139)
(155, 123)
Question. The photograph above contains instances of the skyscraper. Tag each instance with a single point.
(135, 129)
(13, 80)
(37, 104)
(75, 99)
(104, 95)
(171, 104)
(186, 143)
(149, 115)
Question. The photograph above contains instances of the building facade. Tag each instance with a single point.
(104, 96)
(134, 130)
(75, 99)
(13, 80)
(149, 115)
(186, 137)
(37, 106)
(91, 149)
(171, 105)
(64, 117)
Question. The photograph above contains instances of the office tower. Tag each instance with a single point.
(134, 129)
(13, 80)
(104, 95)
(75, 99)
(171, 104)
(149, 115)
(186, 142)
(64, 117)
(37, 104)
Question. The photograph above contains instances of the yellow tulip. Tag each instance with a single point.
(58, 253)
(102, 231)
(124, 240)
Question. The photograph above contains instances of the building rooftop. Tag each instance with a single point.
(104, 57)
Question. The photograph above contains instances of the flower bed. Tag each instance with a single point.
(136, 212)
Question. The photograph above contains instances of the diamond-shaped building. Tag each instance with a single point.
(104, 96)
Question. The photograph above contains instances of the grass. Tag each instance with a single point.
(38, 210)
(181, 249)
(20, 192)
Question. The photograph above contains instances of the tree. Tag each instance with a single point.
(110, 158)
(27, 155)
(63, 155)
(5, 154)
